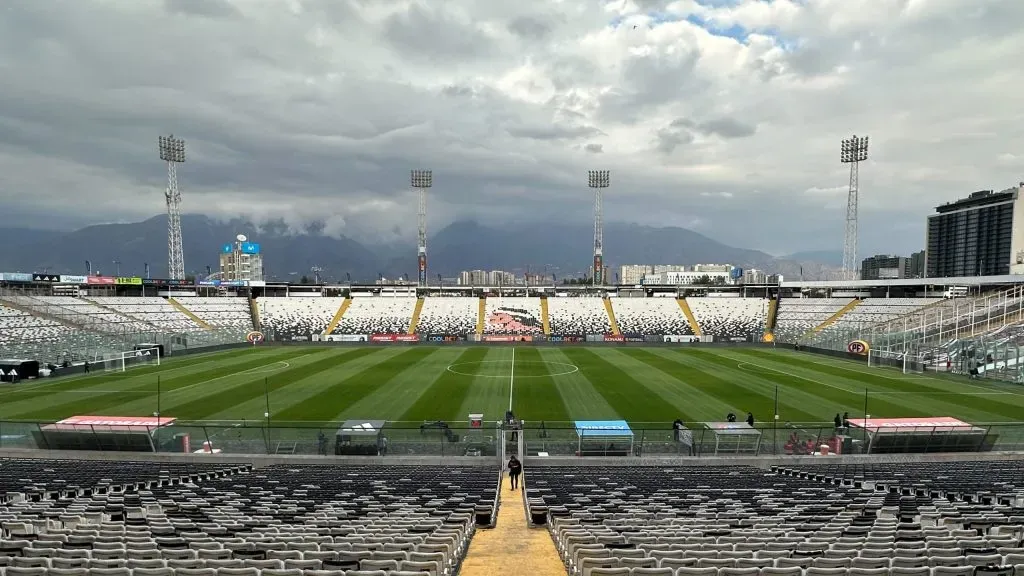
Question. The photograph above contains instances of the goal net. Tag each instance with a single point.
(906, 362)
(122, 361)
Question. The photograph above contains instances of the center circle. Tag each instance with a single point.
(566, 368)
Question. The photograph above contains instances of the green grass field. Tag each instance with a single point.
(417, 383)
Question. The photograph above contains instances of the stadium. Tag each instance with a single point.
(726, 419)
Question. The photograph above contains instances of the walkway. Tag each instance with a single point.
(512, 547)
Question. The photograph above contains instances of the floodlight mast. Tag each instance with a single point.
(421, 180)
(598, 180)
(172, 151)
(853, 151)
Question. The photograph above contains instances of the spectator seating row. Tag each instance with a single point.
(513, 315)
(650, 316)
(742, 521)
(284, 520)
(155, 311)
(297, 317)
(19, 327)
(730, 317)
(797, 316)
(81, 312)
(583, 315)
(220, 312)
(377, 315)
(448, 315)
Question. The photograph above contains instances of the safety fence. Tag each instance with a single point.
(533, 439)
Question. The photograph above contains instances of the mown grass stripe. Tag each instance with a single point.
(212, 404)
(332, 400)
(534, 391)
(76, 404)
(443, 397)
(739, 397)
(634, 401)
(851, 401)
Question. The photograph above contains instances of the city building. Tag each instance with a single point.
(917, 264)
(709, 268)
(754, 276)
(605, 275)
(883, 267)
(634, 273)
(473, 278)
(659, 268)
(981, 235)
(241, 260)
(501, 278)
(685, 278)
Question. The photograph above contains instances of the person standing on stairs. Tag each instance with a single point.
(515, 468)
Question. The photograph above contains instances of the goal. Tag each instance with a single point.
(122, 361)
(906, 362)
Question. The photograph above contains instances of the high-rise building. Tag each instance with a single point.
(981, 235)
(917, 264)
(473, 278)
(241, 260)
(604, 273)
(501, 278)
(883, 267)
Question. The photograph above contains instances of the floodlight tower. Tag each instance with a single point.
(853, 151)
(172, 151)
(421, 180)
(598, 180)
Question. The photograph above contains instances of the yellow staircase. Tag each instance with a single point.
(416, 316)
(544, 316)
(512, 546)
(337, 316)
(254, 312)
(481, 318)
(769, 322)
(685, 307)
(611, 317)
(835, 317)
(202, 323)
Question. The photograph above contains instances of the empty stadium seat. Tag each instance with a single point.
(655, 316)
(224, 312)
(377, 315)
(513, 315)
(297, 317)
(578, 315)
(448, 315)
(154, 311)
(797, 316)
(730, 317)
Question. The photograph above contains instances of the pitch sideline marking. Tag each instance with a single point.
(511, 378)
(250, 370)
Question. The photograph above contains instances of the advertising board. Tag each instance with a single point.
(165, 282)
(566, 338)
(394, 338)
(68, 279)
(345, 338)
(858, 347)
(507, 338)
(16, 277)
(101, 280)
(681, 338)
(128, 281)
(45, 277)
(443, 338)
(613, 338)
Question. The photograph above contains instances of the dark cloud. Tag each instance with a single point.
(594, 148)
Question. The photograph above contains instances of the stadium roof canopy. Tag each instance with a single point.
(907, 282)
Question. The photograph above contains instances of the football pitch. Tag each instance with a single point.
(316, 384)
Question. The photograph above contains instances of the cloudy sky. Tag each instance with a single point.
(721, 116)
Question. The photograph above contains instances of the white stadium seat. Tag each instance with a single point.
(289, 318)
(220, 312)
(650, 316)
(513, 315)
(578, 316)
(448, 315)
(155, 311)
(796, 316)
(377, 315)
(730, 317)
(18, 327)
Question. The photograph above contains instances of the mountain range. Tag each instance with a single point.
(561, 249)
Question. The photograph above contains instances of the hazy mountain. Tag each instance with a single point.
(827, 257)
(561, 249)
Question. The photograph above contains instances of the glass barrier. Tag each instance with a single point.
(438, 439)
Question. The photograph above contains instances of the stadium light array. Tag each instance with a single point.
(172, 149)
(854, 149)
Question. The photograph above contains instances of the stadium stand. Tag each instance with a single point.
(730, 317)
(289, 318)
(78, 311)
(220, 311)
(717, 521)
(513, 315)
(583, 315)
(650, 316)
(448, 315)
(18, 327)
(136, 519)
(797, 316)
(875, 310)
(377, 315)
(151, 310)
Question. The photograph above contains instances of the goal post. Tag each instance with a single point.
(122, 361)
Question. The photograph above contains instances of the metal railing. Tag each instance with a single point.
(555, 439)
